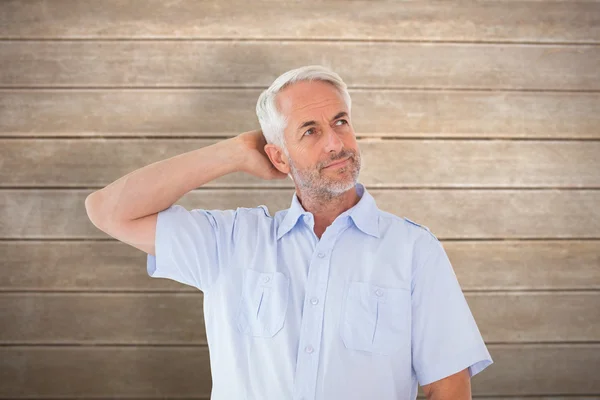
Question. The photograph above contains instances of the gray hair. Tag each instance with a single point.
(272, 122)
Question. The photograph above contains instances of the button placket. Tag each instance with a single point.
(312, 322)
(314, 300)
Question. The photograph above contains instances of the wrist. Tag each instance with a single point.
(234, 153)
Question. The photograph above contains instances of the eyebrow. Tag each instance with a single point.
(310, 123)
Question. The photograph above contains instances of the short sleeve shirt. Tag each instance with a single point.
(370, 310)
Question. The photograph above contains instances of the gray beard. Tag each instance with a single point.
(319, 187)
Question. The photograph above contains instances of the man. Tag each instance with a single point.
(329, 299)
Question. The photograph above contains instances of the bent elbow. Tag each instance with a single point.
(93, 208)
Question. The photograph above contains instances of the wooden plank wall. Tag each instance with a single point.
(478, 119)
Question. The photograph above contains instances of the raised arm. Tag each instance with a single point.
(127, 208)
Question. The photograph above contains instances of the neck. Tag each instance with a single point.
(326, 208)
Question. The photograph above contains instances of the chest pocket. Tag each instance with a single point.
(375, 319)
(263, 303)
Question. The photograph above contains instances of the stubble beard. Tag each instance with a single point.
(325, 184)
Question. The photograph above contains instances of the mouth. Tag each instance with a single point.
(340, 163)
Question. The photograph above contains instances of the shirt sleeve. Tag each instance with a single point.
(445, 337)
(192, 247)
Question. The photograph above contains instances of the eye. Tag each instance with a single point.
(345, 122)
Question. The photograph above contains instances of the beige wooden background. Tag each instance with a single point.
(480, 120)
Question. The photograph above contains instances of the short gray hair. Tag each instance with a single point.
(272, 122)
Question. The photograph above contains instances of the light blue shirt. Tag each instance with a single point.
(369, 311)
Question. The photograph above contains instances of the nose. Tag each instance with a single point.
(332, 141)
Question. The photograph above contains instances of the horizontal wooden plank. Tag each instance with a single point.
(568, 21)
(390, 163)
(540, 370)
(68, 265)
(479, 265)
(117, 372)
(566, 397)
(420, 395)
(524, 265)
(177, 318)
(450, 214)
(537, 317)
(180, 112)
(519, 370)
(86, 318)
(399, 65)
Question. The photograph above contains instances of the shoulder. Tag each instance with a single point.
(261, 210)
(179, 214)
(420, 226)
(407, 226)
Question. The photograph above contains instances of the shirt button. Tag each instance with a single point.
(314, 300)
(266, 279)
(321, 255)
(309, 349)
(379, 292)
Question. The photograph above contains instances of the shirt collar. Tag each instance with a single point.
(364, 214)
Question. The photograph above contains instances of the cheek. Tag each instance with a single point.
(304, 157)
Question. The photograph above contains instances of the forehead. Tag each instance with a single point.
(307, 99)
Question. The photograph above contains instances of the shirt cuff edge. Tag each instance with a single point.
(475, 359)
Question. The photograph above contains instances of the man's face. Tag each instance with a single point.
(319, 133)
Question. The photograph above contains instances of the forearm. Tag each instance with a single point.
(453, 387)
(157, 186)
(460, 395)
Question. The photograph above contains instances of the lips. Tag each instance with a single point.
(338, 163)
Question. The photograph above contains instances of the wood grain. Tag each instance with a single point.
(58, 371)
(567, 397)
(116, 267)
(506, 21)
(257, 63)
(390, 163)
(450, 214)
(477, 119)
(177, 318)
(223, 112)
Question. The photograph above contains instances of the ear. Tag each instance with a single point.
(277, 157)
